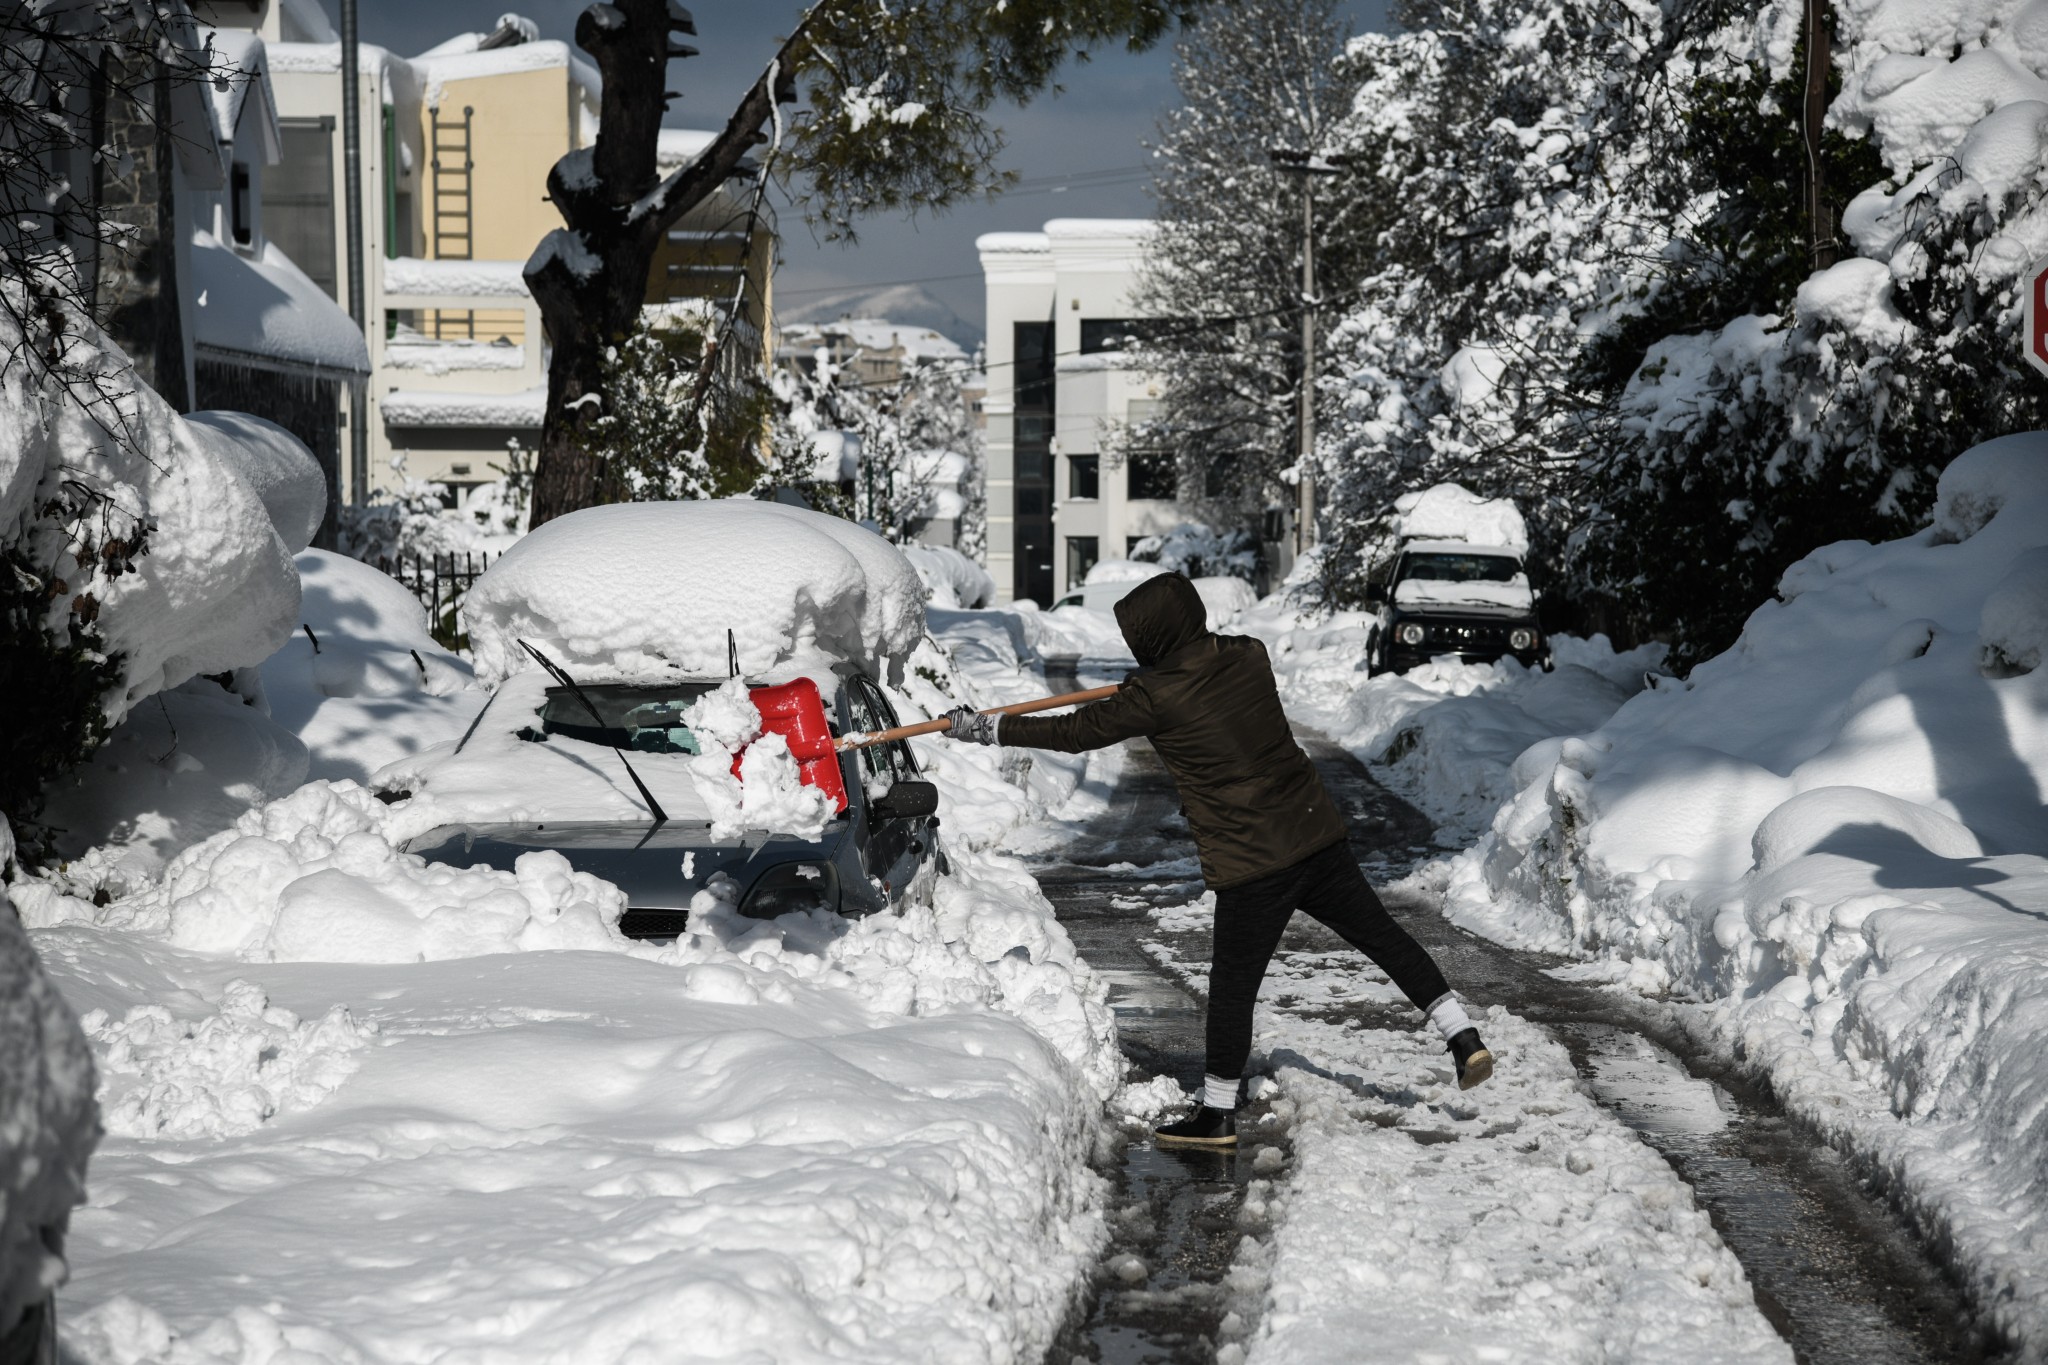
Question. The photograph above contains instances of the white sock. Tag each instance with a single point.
(1219, 1093)
(1447, 1012)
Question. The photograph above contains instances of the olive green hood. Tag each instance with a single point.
(1161, 615)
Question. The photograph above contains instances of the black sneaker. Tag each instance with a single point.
(1475, 1063)
(1206, 1127)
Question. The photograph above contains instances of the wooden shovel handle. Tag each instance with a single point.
(932, 727)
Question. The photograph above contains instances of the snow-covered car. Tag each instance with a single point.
(1455, 597)
(541, 772)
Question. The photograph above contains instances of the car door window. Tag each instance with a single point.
(877, 761)
(900, 757)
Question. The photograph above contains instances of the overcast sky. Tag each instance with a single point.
(1091, 133)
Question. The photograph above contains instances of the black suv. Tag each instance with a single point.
(1448, 597)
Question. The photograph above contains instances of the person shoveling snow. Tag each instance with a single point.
(1270, 837)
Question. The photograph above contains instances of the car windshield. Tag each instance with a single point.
(1457, 568)
(646, 719)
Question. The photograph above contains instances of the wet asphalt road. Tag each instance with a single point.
(1833, 1267)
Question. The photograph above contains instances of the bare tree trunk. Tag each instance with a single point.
(590, 277)
(1821, 244)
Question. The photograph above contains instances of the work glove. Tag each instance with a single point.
(970, 726)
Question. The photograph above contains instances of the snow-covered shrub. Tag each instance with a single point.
(1201, 551)
(141, 550)
(1833, 833)
(655, 587)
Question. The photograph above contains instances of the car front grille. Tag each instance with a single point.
(639, 921)
(1461, 636)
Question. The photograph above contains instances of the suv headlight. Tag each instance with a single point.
(1409, 633)
(789, 887)
(1521, 638)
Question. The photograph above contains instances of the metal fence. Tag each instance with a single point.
(440, 582)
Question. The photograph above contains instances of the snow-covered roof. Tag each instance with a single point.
(1035, 243)
(441, 65)
(1100, 227)
(306, 21)
(877, 334)
(468, 279)
(429, 408)
(675, 148)
(265, 307)
(242, 75)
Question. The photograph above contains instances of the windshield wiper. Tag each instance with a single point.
(561, 676)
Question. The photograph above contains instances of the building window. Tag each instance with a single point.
(239, 219)
(1131, 544)
(1152, 475)
(1082, 553)
(1084, 477)
(298, 199)
(1033, 477)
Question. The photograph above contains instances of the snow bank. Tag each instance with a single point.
(317, 877)
(1123, 571)
(48, 1122)
(215, 590)
(375, 688)
(199, 757)
(1834, 834)
(831, 1139)
(653, 588)
(1447, 732)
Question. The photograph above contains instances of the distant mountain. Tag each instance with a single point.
(911, 304)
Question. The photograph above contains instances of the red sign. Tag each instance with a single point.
(2037, 318)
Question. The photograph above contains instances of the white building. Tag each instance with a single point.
(1058, 309)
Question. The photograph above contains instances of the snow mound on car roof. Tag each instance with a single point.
(1451, 511)
(652, 588)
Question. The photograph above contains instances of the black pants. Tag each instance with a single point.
(1250, 918)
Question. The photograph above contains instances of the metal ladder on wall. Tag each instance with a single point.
(453, 197)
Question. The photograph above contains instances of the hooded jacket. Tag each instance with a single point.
(1210, 707)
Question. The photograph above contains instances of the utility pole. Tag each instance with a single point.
(1307, 165)
(352, 209)
(1821, 243)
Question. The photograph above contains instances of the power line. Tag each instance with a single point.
(879, 284)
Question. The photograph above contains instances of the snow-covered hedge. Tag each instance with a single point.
(1835, 833)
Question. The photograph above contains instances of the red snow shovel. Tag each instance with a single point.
(932, 727)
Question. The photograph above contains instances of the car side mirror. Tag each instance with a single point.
(907, 800)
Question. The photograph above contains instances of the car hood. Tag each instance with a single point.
(656, 868)
(1481, 599)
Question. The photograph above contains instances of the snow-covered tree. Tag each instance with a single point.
(890, 113)
(916, 452)
(1798, 407)
(1222, 276)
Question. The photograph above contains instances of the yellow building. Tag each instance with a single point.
(457, 145)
